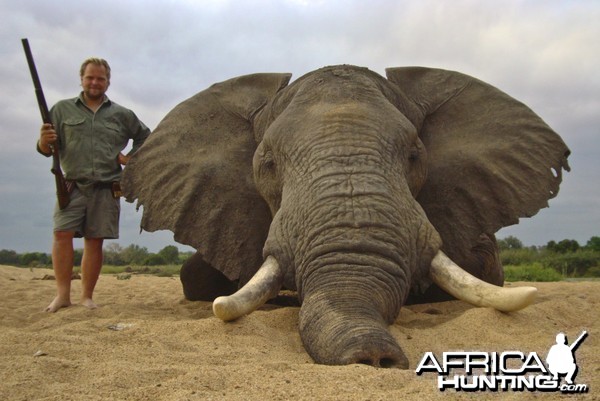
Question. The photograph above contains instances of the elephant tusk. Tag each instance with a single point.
(264, 285)
(462, 285)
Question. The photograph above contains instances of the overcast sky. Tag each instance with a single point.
(544, 53)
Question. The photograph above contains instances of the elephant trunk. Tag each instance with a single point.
(361, 243)
(352, 287)
(347, 323)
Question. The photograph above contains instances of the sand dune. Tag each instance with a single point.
(146, 342)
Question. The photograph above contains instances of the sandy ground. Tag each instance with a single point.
(146, 342)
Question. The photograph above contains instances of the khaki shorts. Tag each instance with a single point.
(93, 216)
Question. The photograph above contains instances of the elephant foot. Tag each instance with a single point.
(202, 282)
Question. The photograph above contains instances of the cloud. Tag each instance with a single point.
(161, 52)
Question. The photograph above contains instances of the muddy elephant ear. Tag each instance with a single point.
(193, 175)
(491, 159)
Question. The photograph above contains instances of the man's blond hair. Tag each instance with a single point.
(96, 61)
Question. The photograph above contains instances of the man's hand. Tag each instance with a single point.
(122, 159)
(47, 137)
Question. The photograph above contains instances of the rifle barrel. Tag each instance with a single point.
(39, 94)
(581, 337)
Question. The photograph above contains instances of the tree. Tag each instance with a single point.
(564, 246)
(112, 254)
(510, 242)
(9, 257)
(34, 259)
(593, 244)
(77, 257)
(154, 260)
(170, 254)
(134, 254)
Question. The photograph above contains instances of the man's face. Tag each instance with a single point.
(94, 81)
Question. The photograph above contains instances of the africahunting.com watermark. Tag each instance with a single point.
(507, 371)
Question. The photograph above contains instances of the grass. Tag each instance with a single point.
(527, 272)
(123, 271)
(534, 271)
(531, 272)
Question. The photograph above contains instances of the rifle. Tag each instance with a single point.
(577, 342)
(63, 188)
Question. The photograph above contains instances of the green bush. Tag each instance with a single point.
(573, 264)
(9, 257)
(531, 272)
(154, 260)
(593, 244)
(520, 256)
(564, 246)
(170, 254)
(593, 272)
(35, 259)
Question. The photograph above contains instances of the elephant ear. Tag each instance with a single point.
(193, 175)
(491, 159)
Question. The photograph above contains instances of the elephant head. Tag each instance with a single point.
(352, 189)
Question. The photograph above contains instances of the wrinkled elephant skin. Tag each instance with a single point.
(350, 183)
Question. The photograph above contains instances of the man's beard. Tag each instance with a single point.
(94, 96)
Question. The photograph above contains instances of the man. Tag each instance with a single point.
(561, 360)
(90, 132)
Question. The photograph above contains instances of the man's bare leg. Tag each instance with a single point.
(91, 264)
(62, 263)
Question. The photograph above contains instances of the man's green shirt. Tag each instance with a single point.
(89, 143)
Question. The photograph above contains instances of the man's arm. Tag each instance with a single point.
(139, 133)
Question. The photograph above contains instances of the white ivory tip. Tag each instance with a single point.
(464, 286)
(223, 310)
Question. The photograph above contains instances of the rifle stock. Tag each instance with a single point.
(63, 188)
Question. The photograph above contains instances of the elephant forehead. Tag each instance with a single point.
(317, 91)
(339, 73)
(349, 116)
(338, 88)
(334, 100)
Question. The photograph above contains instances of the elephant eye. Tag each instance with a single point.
(264, 163)
(268, 162)
(413, 154)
